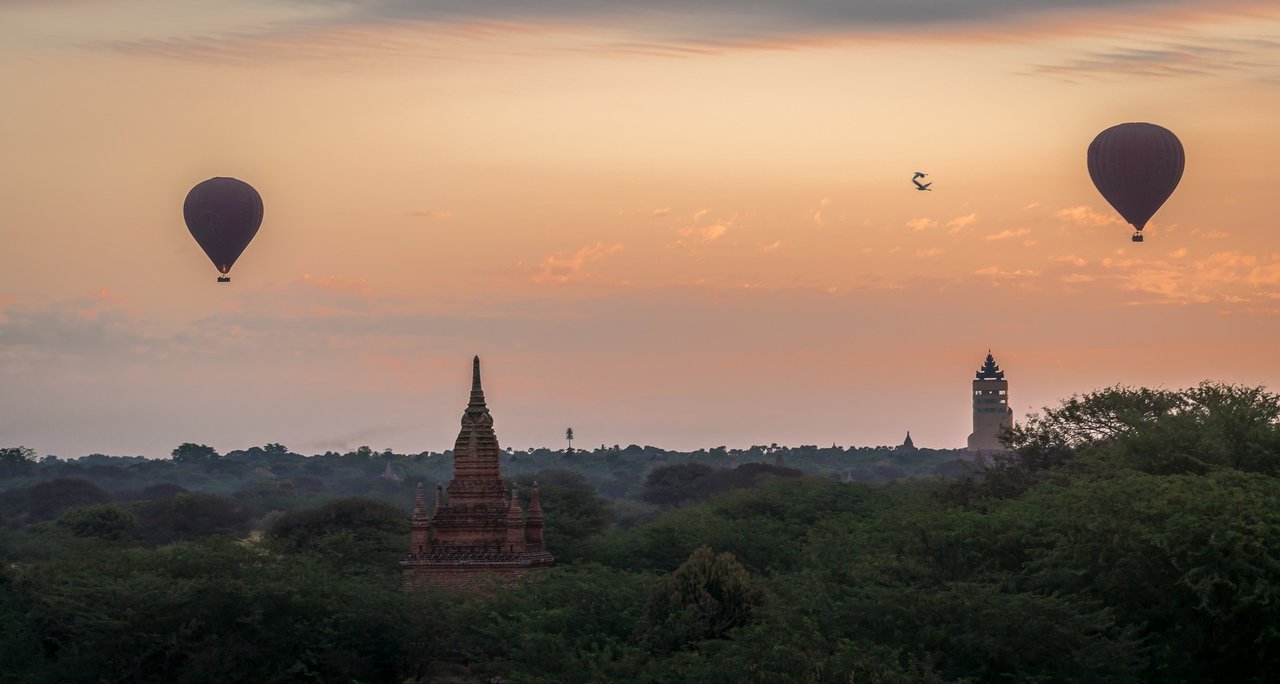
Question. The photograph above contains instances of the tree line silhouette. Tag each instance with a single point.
(1128, 535)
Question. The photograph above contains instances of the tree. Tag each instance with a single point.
(1196, 430)
(705, 598)
(189, 516)
(188, 452)
(16, 460)
(350, 532)
(1193, 430)
(104, 521)
(568, 435)
(676, 484)
(47, 500)
(1191, 561)
(218, 611)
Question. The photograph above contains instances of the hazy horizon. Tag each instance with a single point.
(685, 226)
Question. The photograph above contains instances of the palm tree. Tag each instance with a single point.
(568, 434)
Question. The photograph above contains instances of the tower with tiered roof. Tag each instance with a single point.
(991, 411)
(475, 534)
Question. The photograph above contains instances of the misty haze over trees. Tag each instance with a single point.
(1128, 535)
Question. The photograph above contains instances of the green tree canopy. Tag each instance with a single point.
(104, 521)
(356, 531)
(194, 453)
(16, 460)
(676, 484)
(705, 598)
(1196, 430)
(188, 517)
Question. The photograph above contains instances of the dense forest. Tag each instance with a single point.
(1128, 535)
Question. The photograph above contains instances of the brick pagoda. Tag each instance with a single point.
(476, 535)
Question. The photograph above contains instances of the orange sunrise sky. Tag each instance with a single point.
(687, 225)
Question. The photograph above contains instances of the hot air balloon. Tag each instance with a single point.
(1136, 166)
(223, 215)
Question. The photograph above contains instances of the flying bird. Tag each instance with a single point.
(919, 174)
(922, 187)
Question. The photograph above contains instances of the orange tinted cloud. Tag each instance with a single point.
(1006, 234)
(563, 267)
(959, 223)
(1086, 216)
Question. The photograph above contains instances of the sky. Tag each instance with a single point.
(685, 224)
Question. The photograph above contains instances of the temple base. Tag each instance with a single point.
(472, 574)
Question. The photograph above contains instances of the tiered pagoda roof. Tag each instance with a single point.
(990, 370)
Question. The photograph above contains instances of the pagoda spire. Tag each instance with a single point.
(513, 510)
(420, 505)
(535, 503)
(535, 522)
(420, 526)
(477, 393)
(476, 480)
(515, 523)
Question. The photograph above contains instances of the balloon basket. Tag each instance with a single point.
(1137, 237)
(224, 279)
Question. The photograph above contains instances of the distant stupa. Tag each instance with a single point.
(476, 535)
(907, 444)
(991, 412)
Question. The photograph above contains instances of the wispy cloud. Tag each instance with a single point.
(712, 232)
(919, 224)
(1219, 277)
(563, 267)
(698, 232)
(96, 324)
(1006, 234)
(816, 214)
(1191, 56)
(997, 272)
(1086, 216)
(658, 27)
(959, 223)
(432, 214)
(1265, 275)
